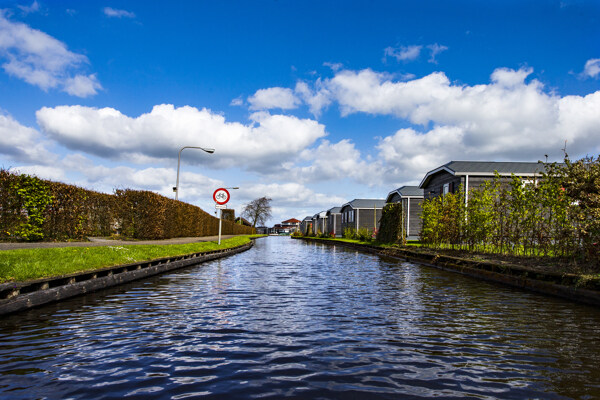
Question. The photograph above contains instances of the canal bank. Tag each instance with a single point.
(19, 296)
(565, 285)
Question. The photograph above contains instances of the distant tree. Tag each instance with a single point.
(258, 211)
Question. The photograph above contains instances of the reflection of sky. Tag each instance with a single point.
(288, 316)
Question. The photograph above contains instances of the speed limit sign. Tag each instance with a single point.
(221, 196)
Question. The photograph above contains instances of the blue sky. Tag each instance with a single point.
(311, 103)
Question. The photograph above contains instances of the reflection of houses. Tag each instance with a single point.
(471, 174)
(411, 198)
(362, 213)
(334, 221)
(306, 226)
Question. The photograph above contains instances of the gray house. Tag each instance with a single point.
(306, 225)
(411, 198)
(334, 221)
(362, 213)
(315, 223)
(320, 222)
(471, 174)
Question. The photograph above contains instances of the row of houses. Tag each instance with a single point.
(284, 228)
(448, 178)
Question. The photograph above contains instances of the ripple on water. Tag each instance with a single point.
(303, 320)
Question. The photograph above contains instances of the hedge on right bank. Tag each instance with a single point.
(556, 215)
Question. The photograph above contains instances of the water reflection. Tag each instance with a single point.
(297, 319)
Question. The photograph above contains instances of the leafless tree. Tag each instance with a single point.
(258, 211)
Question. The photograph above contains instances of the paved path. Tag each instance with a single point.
(109, 242)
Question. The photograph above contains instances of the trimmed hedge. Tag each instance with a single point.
(74, 213)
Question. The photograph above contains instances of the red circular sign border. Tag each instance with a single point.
(221, 202)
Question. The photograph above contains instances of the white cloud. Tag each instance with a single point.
(509, 78)
(375, 93)
(274, 97)
(238, 101)
(403, 53)
(193, 186)
(334, 66)
(22, 143)
(592, 68)
(52, 173)
(82, 86)
(505, 120)
(291, 195)
(34, 7)
(512, 117)
(411, 53)
(317, 99)
(115, 13)
(435, 50)
(41, 60)
(336, 162)
(268, 141)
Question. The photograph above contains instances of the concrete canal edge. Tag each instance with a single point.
(19, 296)
(568, 286)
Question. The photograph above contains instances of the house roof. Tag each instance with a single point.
(244, 221)
(486, 168)
(405, 191)
(365, 203)
(309, 218)
(334, 210)
(290, 221)
(323, 214)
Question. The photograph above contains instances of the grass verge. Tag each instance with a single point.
(543, 264)
(28, 264)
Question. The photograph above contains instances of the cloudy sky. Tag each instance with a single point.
(311, 103)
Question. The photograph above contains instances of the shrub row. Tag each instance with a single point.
(558, 215)
(35, 209)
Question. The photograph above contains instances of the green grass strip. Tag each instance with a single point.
(27, 264)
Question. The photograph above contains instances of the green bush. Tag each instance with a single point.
(391, 229)
(364, 235)
(33, 196)
(557, 214)
(349, 233)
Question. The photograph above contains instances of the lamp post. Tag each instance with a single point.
(221, 215)
(176, 188)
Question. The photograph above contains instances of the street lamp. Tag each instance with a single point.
(176, 188)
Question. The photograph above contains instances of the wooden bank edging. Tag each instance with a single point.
(555, 284)
(19, 296)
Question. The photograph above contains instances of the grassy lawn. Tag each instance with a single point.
(27, 264)
(372, 243)
(538, 263)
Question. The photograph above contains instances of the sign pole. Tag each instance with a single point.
(220, 219)
(221, 197)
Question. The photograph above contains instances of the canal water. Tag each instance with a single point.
(303, 320)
